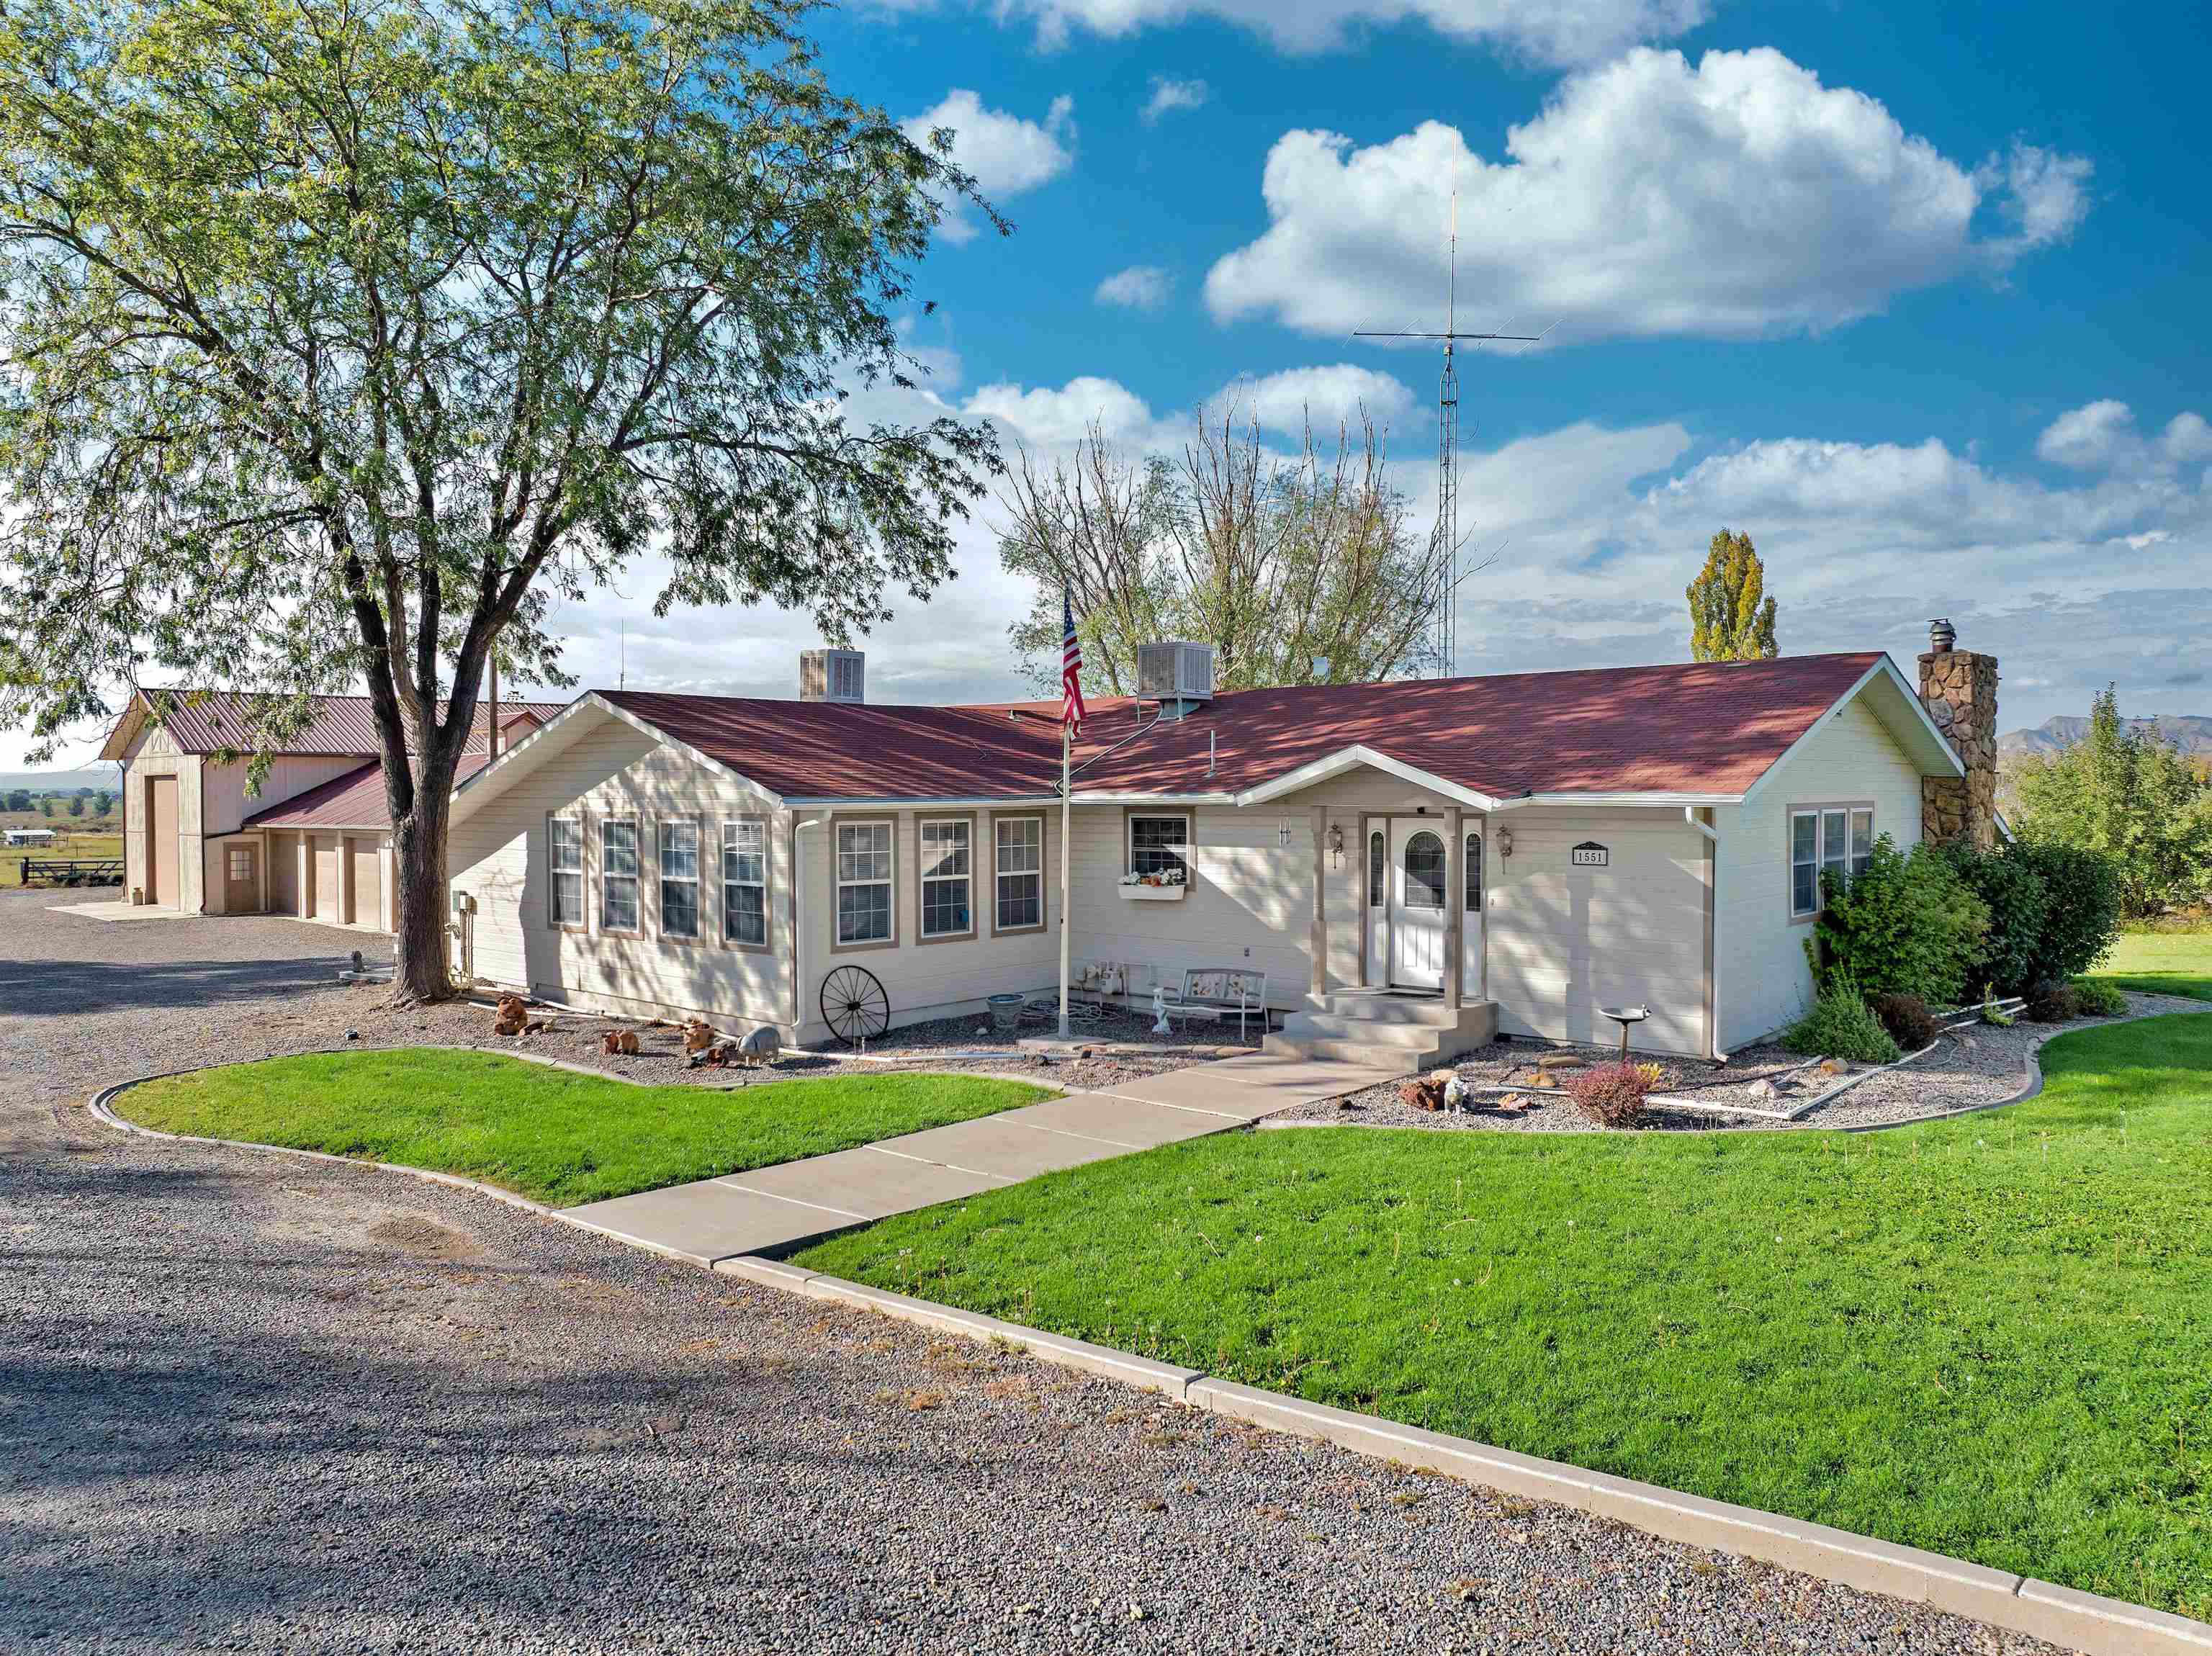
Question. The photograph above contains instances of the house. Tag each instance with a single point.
(28, 836)
(1512, 853)
(314, 840)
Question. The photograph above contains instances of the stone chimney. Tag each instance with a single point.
(1960, 689)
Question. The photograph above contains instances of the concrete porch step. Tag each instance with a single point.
(1342, 1026)
(1370, 1007)
(1398, 1060)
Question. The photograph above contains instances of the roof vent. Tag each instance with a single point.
(832, 675)
(1178, 676)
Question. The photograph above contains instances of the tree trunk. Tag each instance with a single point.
(422, 969)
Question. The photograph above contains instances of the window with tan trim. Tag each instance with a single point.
(1824, 840)
(679, 877)
(864, 882)
(745, 881)
(564, 871)
(947, 857)
(618, 874)
(1018, 872)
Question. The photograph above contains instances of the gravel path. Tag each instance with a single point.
(256, 1404)
(1975, 1067)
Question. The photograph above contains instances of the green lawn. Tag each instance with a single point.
(1992, 1337)
(557, 1137)
(2161, 963)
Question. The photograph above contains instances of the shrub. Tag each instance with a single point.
(1908, 1020)
(2009, 885)
(2100, 1000)
(2081, 908)
(1905, 926)
(2051, 1003)
(1841, 1025)
(1611, 1095)
(1992, 1014)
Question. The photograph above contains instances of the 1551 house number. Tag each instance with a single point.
(1589, 854)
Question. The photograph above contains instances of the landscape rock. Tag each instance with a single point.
(1562, 1061)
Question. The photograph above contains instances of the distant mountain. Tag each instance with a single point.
(97, 778)
(2191, 732)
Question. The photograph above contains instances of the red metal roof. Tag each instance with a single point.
(1710, 728)
(340, 723)
(355, 800)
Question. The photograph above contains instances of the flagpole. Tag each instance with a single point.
(1066, 805)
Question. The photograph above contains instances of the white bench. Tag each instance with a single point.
(1220, 993)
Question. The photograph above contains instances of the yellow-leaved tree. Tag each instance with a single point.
(1729, 619)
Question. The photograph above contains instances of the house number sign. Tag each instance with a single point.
(1589, 854)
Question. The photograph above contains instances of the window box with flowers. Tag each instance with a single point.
(1166, 886)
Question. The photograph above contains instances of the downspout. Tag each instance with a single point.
(798, 936)
(1712, 935)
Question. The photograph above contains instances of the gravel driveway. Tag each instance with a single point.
(250, 1403)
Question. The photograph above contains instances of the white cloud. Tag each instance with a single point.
(1139, 288)
(2101, 436)
(1736, 198)
(1557, 32)
(1006, 154)
(1041, 417)
(1282, 401)
(1170, 95)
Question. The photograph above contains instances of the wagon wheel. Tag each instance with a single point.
(853, 1004)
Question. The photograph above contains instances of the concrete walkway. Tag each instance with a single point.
(776, 1207)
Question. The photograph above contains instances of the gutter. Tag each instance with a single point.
(1712, 937)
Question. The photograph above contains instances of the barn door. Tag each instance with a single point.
(161, 841)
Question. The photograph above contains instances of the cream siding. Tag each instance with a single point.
(1766, 982)
(227, 804)
(154, 753)
(497, 855)
(1564, 941)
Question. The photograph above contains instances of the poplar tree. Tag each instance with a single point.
(1729, 620)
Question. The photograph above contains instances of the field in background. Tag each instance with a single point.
(68, 841)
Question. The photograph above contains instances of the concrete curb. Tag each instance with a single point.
(2078, 1621)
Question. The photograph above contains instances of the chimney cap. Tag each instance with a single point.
(1943, 637)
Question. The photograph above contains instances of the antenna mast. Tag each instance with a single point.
(1444, 625)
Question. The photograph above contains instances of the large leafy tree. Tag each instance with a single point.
(1730, 619)
(341, 335)
(1298, 568)
(2123, 791)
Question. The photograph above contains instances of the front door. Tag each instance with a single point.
(1419, 865)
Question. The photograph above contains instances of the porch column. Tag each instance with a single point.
(1454, 905)
(1487, 904)
(1317, 938)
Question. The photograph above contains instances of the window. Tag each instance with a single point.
(1473, 849)
(564, 862)
(1424, 871)
(945, 877)
(618, 874)
(744, 882)
(1378, 870)
(1020, 873)
(241, 864)
(864, 882)
(1159, 845)
(679, 877)
(1835, 840)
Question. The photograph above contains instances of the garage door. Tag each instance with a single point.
(323, 902)
(161, 840)
(283, 873)
(368, 883)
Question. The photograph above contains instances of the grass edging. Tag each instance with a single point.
(2080, 1621)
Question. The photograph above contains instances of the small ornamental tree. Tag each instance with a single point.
(340, 335)
(1728, 619)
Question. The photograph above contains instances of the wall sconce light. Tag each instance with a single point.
(1506, 842)
(1283, 834)
(1336, 843)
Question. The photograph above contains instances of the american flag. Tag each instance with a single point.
(1071, 667)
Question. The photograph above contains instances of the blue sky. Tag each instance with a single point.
(1914, 296)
